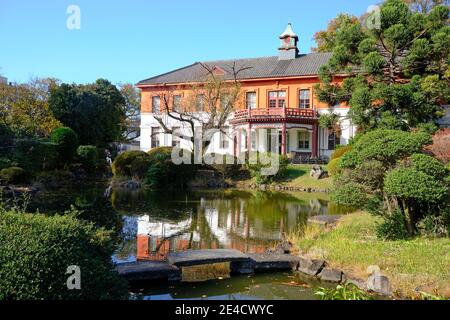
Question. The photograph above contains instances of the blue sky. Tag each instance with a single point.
(129, 40)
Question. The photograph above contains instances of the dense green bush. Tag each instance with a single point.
(393, 227)
(230, 168)
(389, 166)
(429, 165)
(131, 164)
(370, 174)
(264, 162)
(35, 155)
(350, 195)
(339, 152)
(408, 184)
(386, 146)
(417, 193)
(36, 250)
(333, 167)
(162, 172)
(155, 152)
(88, 157)
(67, 141)
(14, 175)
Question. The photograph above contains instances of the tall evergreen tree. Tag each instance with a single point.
(398, 70)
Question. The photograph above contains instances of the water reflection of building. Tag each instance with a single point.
(223, 223)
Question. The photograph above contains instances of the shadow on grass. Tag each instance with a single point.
(294, 173)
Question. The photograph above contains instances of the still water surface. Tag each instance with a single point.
(150, 224)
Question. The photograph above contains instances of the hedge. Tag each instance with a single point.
(13, 175)
(340, 152)
(131, 164)
(36, 250)
(67, 141)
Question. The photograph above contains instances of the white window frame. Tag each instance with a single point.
(302, 132)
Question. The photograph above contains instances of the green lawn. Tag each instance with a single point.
(298, 175)
(353, 246)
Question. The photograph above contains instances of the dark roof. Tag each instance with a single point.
(265, 67)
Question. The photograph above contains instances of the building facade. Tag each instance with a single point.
(278, 111)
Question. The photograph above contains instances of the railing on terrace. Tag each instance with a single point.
(295, 113)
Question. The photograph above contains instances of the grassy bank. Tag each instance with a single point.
(297, 175)
(353, 246)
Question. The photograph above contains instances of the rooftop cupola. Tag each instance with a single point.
(288, 49)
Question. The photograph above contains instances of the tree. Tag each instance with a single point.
(208, 106)
(132, 98)
(413, 191)
(24, 108)
(326, 39)
(398, 74)
(403, 184)
(94, 111)
(66, 142)
(425, 6)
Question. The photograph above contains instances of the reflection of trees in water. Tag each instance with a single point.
(90, 203)
(248, 221)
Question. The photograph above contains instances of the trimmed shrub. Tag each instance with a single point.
(36, 251)
(429, 165)
(35, 155)
(13, 175)
(230, 170)
(88, 157)
(410, 184)
(162, 172)
(67, 141)
(340, 152)
(393, 227)
(333, 167)
(167, 151)
(131, 164)
(350, 195)
(264, 163)
(370, 174)
(387, 146)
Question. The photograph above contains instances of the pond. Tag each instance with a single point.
(150, 224)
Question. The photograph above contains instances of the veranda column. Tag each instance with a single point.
(249, 137)
(238, 140)
(283, 139)
(314, 140)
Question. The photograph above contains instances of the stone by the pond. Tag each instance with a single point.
(373, 269)
(332, 275)
(325, 220)
(207, 256)
(310, 266)
(148, 270)
(379, 284)
(318, 173)
(272, 261)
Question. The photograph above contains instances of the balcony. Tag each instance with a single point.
(274, 115)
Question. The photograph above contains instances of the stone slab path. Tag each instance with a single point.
(240, 263)
(148, 270)
(199, 257)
